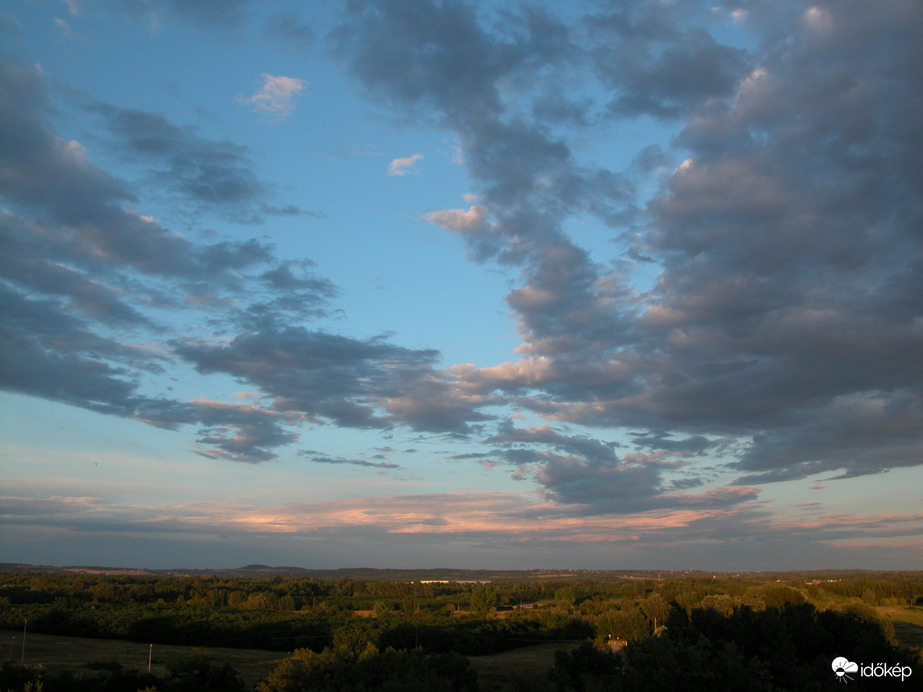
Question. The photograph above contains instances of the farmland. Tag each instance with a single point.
(266, 631)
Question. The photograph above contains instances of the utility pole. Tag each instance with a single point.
(149, 652)
(22, 660)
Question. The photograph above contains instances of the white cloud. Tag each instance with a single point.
(471, 221)
(276, 96)
(818, 19)
(404, 166)
(63, 28)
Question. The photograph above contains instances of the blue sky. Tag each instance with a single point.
(505, 285)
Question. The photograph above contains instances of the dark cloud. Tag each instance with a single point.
(216, 176)
(320, 459)
(794, 212)
(206, 14)
(444, 58)
(45, 351)
(626, 486)
(781, 332)
(239, 432)
(83, 207)
(852, 435)
(80, 270)
(289, 27)
(587, 447)
(655, 69)
(355, 383)
(693, 445)
(586, 473)
(528, 178)
(788, 240)
(451, 65)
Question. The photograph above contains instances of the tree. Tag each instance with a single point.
(407, 671)
(483, 598)
(584, 667)
(565, 596)
(656, 609)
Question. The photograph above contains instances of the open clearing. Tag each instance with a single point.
(73, 653)
(908, 625)
(496, 673)
(514, 670)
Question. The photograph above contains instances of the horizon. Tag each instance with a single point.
(462, 282)
(545, 572)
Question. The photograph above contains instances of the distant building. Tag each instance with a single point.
(617, 644)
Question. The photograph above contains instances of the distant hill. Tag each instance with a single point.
(436, 574)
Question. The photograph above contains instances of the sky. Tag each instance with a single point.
(590, 285)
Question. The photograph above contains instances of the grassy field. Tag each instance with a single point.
(908, 624)
(74, 653)
(497, 672)
(510, 670)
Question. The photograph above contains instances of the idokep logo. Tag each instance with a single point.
(843, 666)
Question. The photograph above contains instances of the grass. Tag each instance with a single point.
(514, 670)
(511, 670)
(74, 653)
(908, 624)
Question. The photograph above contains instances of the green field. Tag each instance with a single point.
(908, 625)
(496, 673)
(74, 653)
(513, 670)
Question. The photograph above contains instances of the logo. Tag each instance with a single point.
(842, 667)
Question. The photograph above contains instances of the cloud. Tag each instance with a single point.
(320, 459)
(205, 14)
(213, 176)
(655, 68)
(787, 245)
(276, 96)
(473, 225)
(760, 304)
(489, 525)
(81, 265)
(405, 165)
(74, 7)
(81, 271)
(350, 382)
(239, 432)
(63, 28)
(588, 448)
(289, 27)
(10, 25)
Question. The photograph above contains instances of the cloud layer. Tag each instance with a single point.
(755, 316)
(486, 527)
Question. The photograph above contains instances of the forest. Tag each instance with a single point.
(747, 631)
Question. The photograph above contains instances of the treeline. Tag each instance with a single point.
(285, 614)
(771, 650)
(330, 671)
(315, 630)
(346, 630)
(197, 673)
(297, 594)
(775, 649)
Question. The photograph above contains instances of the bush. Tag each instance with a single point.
(397, 671)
